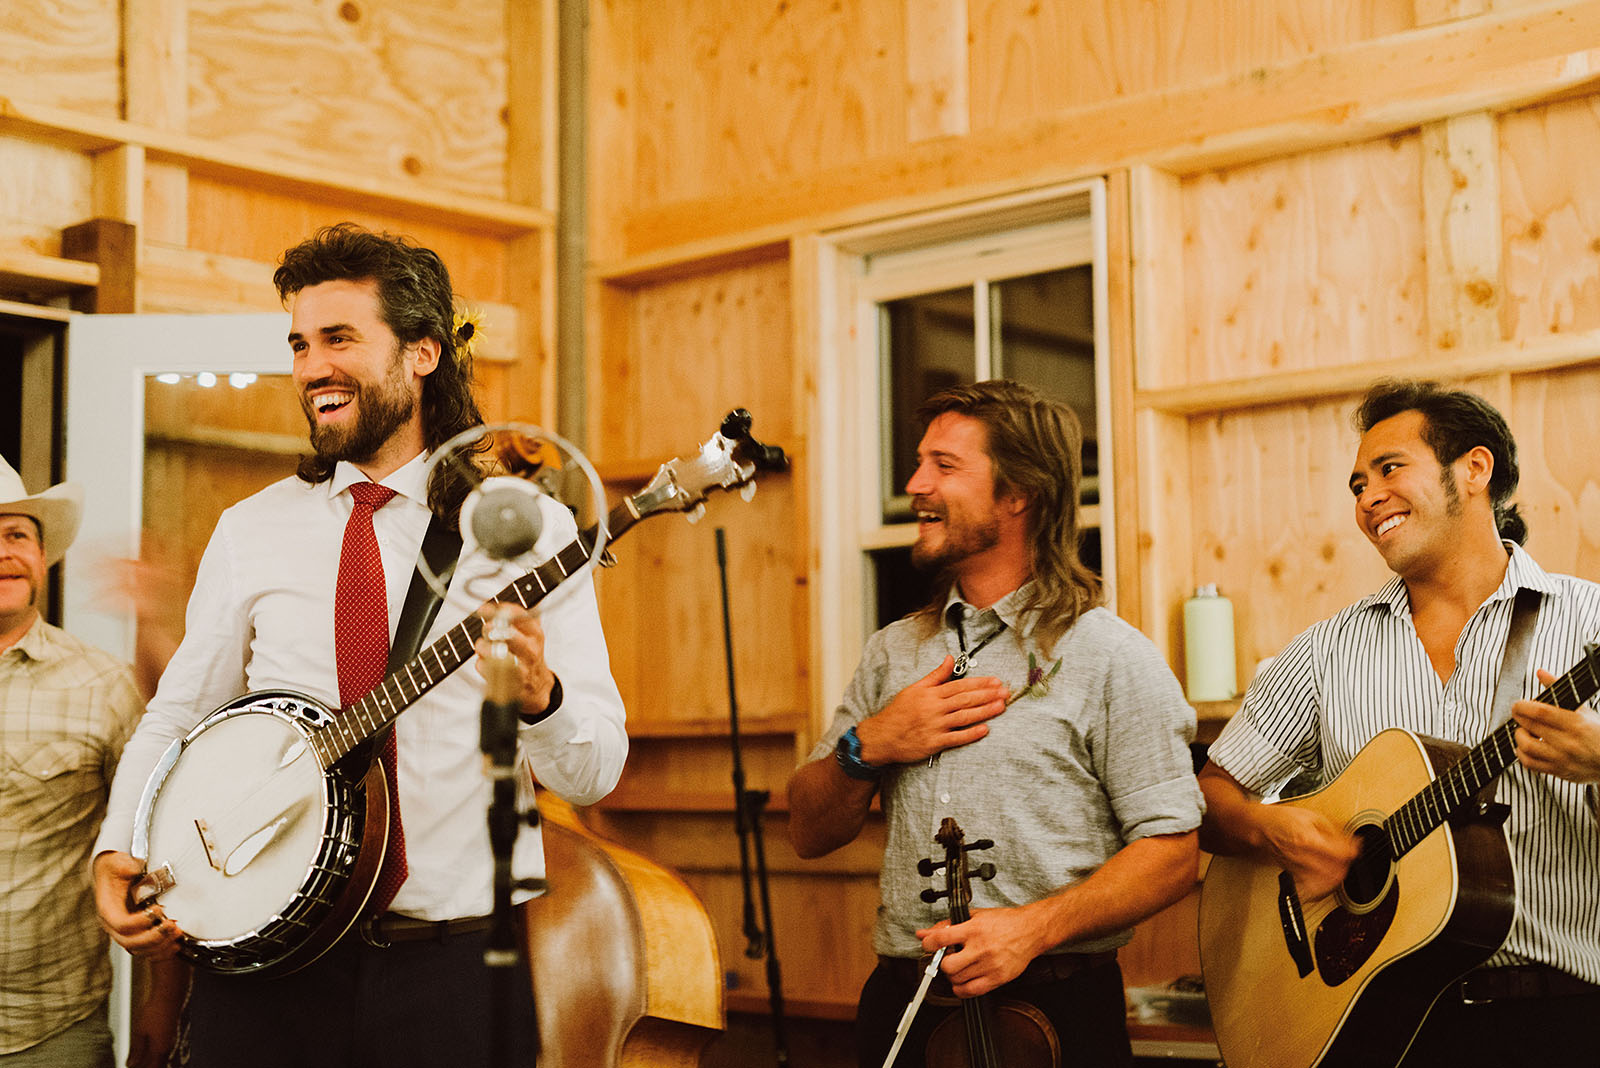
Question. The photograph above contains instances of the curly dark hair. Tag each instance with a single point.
(1454, 422)
(415, 300)
(1036, 446)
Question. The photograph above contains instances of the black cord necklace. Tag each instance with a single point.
(964, 660)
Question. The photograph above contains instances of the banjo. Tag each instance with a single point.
(263, 830)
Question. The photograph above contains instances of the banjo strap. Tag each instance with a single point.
(440, 548)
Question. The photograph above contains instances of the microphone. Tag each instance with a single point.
(503, 515)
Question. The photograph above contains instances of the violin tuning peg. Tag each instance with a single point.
(984, 871)
(927, 867)
(982, 843)
(930, 896)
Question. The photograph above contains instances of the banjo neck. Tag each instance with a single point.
(379, 708)
(729, 460)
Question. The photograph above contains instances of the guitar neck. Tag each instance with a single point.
(428, 668)
(1455, 789)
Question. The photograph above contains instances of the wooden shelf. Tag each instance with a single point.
(1216, 710)
(749, 727)
(1203, 398)
(45, 275)
(263, 170)
(623, 800)
(1173, 1040)
(241, 440)
(34, 311)
(755, 1001)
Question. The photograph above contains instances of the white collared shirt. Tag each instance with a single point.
(261, 617)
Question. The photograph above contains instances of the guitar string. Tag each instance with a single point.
(1422, 814)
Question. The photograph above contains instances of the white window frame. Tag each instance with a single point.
(858, 269)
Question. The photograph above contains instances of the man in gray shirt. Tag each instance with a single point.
(1066, 743)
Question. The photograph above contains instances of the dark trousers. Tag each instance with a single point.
(1547, 1032)
(421, 1004)
(1086, 1010)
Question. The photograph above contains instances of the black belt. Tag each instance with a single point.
(384, 931)
(1518, 982)
(1050, 968)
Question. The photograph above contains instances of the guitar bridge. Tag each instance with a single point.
(1294, 924)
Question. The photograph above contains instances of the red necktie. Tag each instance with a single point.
(361, 651)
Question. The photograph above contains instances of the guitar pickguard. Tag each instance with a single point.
(1346, 940)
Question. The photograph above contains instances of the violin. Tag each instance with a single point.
(988, 1032)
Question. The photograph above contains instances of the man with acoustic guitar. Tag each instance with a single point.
(1432, 481)
(1067, 745)
(300, 589)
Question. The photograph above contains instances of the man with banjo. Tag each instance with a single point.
(1066, 743)
(300, 589)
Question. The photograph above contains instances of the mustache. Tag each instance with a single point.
(335, 381)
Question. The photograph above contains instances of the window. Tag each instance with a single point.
(1010, 290)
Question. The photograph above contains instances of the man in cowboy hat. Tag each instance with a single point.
(65, 710)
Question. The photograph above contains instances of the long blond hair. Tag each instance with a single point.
(1035, 445)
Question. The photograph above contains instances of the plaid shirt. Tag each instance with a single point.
(66, 709)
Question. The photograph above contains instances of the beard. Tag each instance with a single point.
(382, 408)
(962, 537)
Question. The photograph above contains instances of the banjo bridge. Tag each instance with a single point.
(207, 843)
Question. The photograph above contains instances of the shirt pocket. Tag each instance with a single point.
(47, 778)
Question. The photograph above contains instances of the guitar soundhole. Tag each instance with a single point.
(1369, 875)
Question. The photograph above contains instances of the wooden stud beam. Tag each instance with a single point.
(112, 245)
(1494, 62)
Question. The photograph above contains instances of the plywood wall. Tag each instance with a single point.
(1319, 263)
(1306, 195)
(65, 53)
(402, 89)
(1312, 260)
(741, 94)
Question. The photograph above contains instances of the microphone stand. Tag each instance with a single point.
(747, 807)
(498, 734)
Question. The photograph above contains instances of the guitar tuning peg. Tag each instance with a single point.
(747, 491)
(695, 514)
(984, 871)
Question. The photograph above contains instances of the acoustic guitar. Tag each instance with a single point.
(263, 830)
(1348, 979)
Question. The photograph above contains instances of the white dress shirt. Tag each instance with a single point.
(261, 617)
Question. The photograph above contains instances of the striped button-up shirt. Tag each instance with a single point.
(1364, 670)
(65, 711)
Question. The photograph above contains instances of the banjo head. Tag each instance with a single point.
(240, 813)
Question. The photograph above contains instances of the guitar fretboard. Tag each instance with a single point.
(1456, 788)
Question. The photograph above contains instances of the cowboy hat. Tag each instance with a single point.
(57, 510)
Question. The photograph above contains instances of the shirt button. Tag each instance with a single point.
(944, 799)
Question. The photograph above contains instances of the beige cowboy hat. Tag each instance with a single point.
(57, 510)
